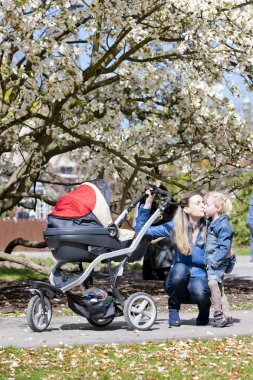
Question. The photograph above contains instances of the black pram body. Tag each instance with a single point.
(80, 227)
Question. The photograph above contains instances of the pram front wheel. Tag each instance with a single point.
(100, 322)
(140, 311)
(37, 319)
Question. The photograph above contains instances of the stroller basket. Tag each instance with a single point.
(102, 309)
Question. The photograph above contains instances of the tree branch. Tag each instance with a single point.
(25, 243)
(25, 263)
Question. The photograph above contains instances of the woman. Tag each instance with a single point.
(187, 278)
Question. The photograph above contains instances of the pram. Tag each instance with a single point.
(81, 230)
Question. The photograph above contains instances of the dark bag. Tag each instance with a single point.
(89, 309)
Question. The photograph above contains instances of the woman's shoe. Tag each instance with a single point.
(174, 320)
(175, 324)
(202, 322)
(203, 318)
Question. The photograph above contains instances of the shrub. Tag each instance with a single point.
(239, 215)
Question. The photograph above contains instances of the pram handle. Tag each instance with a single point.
(154, 190)
(144, 196)
(138, 200)
(157, 190)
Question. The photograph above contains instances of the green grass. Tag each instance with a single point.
(195, 359)
(12, 274)
(242, 251)
(15, 313)
(241, 306)
(62, 313)
(136, 265)
(48, 262)
(66, 313)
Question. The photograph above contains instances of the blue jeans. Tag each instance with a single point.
(181, 287)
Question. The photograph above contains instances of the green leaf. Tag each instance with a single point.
(8, 94)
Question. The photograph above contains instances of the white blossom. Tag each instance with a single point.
(131, 84)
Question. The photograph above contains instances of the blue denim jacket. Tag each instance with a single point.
(195, 261)
(218, 241)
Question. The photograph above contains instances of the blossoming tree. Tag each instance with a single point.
(129, 87)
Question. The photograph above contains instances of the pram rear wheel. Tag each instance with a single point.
(37, 319)
(100, 322)
(140, 311)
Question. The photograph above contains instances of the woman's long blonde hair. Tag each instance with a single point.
(181, 230)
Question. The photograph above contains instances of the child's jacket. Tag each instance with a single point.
(218, 240)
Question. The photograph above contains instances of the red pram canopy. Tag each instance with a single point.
(91, 197)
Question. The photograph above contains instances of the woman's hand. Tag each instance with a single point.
(149, 200)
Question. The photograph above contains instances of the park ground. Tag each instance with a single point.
(15, 282)
(219, 358)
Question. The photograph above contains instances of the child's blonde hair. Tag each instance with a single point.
(222, 201)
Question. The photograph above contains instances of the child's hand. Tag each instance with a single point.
(230, 253)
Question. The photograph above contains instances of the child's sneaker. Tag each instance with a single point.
(230, 321)
(220, 320)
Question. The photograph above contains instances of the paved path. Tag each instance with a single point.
(76, 330)
(243, 268)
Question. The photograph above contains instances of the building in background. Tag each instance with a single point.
(62, 170)
(32, 209)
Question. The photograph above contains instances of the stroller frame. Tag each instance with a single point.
(139, 309)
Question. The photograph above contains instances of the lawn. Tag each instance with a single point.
(196, 359)
(24, 274)
(242, 251)
(13, 274)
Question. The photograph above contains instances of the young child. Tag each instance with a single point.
(217, 250)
